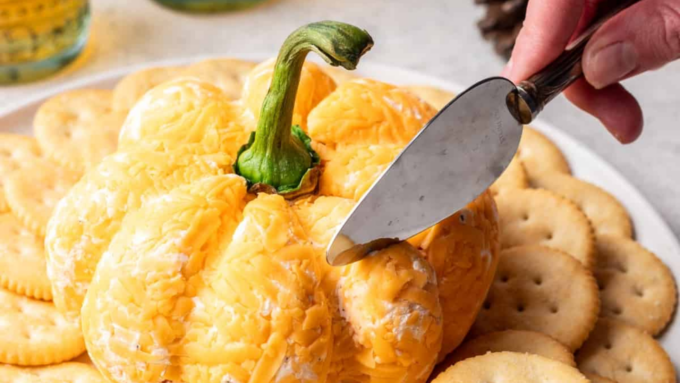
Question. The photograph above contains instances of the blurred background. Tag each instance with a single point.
(436, 37)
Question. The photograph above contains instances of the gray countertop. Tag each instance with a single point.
(437, 37)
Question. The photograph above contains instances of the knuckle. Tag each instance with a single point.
(669, 15)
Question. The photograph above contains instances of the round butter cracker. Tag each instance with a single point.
(59, 373)
(132, 87)
(625, 354)
(510, 367)
(434, 96)
(23, 268)
(225, 73)
(15, 150)
(34, 333)
(525, 342)
(76, 129)
(635, 286)
(541, 217)
(514, 177)
(597, 378)
(540, 289)
(33, 193)
(540, 156)
(605, 212)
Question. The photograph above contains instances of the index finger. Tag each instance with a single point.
(547, 29)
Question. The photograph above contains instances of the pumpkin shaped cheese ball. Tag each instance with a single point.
(196, 252)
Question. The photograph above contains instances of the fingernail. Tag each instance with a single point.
(610, 64)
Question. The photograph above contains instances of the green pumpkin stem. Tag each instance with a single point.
(278, 157)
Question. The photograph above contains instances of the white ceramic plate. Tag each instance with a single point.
(650, 228)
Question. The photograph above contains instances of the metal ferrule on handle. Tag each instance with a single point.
(533, 94)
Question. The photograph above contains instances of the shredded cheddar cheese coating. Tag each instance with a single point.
(180, 275)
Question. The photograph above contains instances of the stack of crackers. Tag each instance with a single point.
(573, 292)
(575, 298)
(36, 340)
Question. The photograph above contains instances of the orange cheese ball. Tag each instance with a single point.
(179, 274)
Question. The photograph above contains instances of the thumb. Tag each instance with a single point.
(643, 37)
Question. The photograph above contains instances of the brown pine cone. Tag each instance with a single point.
(502, 23)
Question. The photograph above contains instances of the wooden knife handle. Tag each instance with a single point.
(531, 95)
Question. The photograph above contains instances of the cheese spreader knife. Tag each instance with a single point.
(457, 155)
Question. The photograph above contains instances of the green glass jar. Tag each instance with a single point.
(206, 6)
(39, 37)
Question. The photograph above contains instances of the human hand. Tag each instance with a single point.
(643, 37)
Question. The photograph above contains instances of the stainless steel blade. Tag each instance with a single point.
(455, 158)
